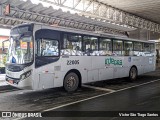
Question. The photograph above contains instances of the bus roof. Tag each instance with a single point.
(85, 32)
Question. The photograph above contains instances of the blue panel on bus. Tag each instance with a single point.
(129, 59)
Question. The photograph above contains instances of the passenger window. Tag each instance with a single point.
(117, 47)
(148, 49)
(46, 47)
(72, 44)
(152, 47)
(105, 46)
(90, 45)
(128, 48)
(137, 49)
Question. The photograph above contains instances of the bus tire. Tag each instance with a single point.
(71, 82)
(133, 73)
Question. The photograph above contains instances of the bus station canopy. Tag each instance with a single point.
(22, 11)
(94, 16)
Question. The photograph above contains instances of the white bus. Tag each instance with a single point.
(42, 57)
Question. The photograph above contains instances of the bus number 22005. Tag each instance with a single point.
(72, 62)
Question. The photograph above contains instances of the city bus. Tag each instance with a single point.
(42, 57)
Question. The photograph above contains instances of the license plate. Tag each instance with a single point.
(10, 81)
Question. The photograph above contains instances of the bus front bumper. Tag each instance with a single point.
(18, 83)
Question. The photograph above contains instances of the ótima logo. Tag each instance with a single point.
(109, 61)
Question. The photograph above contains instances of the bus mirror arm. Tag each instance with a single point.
(3, 46)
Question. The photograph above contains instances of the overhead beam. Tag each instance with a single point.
(100, 10)
(17, 16)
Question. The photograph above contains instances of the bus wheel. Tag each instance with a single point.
(133, 73)
(71, 82)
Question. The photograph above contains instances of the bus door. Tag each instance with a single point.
(46, 55)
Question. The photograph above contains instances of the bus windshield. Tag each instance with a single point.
(21, 45)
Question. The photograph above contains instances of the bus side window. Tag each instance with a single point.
(152, 49)
(128, 48)
(146, 47)
(149, 49)
(137, 49)
(117, 47)
(46, 47)
(105, 47)
(72, 45)
(90, 45)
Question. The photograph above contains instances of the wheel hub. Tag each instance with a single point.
(71, 82)
(133, 73)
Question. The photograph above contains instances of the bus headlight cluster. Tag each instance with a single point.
(25, 75)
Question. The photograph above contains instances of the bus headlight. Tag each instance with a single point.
(25, 75)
